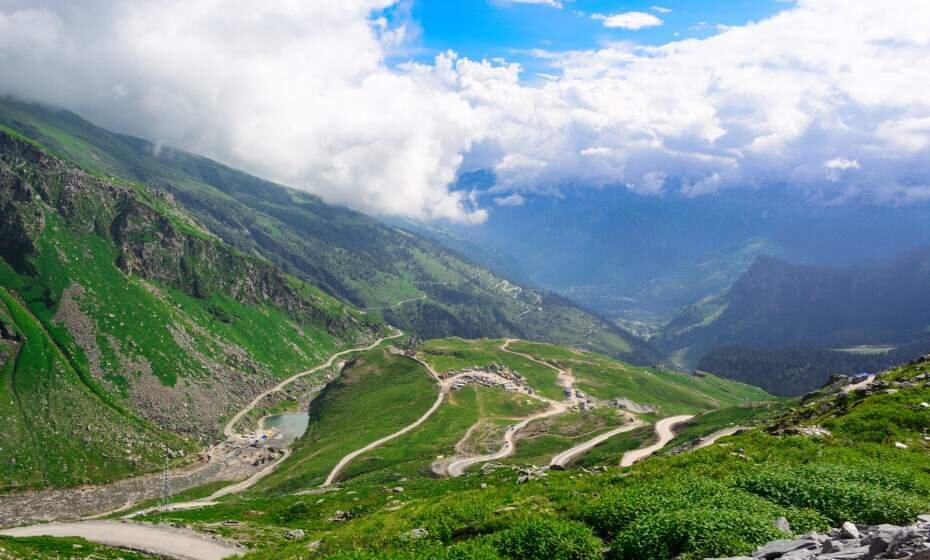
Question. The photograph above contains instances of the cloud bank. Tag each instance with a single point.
(828, 97)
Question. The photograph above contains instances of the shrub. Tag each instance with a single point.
(449, 519)
(620, 508)
(541, 538)
(835, 492)
(693, 533)
(478, 549)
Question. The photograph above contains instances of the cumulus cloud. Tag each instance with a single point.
(295, 91)
(513, 199)
(629, 20)
(828, 96)
(660, 9)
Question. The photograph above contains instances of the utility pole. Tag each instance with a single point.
(165, 486)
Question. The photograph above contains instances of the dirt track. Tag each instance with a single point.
(564, 457)
(157, 539)
(664, 430)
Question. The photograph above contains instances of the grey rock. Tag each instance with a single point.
(415, 534)
(782, 525)
(849, 531)
(294, 534)
(858, 553)
(340, 516)
(777, 549)
(831, 545)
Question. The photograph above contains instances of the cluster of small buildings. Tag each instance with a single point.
(585, 402)
(512, 381)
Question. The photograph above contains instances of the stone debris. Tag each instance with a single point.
(295, 534)
(813, 431)
(415, 534)
(530, 473)
(630, 406)
(851, 542)
(340, 516)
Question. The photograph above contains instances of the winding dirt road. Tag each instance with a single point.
(156, 539)
(445, 386)
(398, 304)
(344, 462)
(664, 431)
(229, 430)
(168, 541)
(456, 466)
(711, 439)
(566, 456)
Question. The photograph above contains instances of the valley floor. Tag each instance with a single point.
(455, 466)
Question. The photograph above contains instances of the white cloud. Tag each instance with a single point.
(292, 90)
(660, 9)
(629, 20)
(553, 3)
(828, 96)
(841, 164)
(514, 199)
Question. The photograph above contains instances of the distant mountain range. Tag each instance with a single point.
(635, 257)
(866, 310)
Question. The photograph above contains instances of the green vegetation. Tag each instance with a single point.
(412, 454)
(47, 548)
(718, 501)
(746, 416)
(349, 255)
(455, 353)
(377, 394)
(124, 325)
(673, 393)
(543, 439)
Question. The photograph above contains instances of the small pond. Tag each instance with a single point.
(289, 426)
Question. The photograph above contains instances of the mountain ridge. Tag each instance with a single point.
(349, 255)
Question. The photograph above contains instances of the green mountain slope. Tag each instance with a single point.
(127, 330)
(381, 392)
(867, 464)
(349, 255)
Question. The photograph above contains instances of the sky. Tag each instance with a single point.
(512, 30)
(382, 104)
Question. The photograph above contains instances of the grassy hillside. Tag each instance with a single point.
(129, 331)
(380, 392)
(718, 501)
(347, 254)
(377, 394)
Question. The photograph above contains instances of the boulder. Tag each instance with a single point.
(849, 531)
(295, 534)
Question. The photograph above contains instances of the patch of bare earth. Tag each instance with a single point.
(81, 327)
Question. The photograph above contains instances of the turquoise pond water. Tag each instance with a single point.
(291, 426)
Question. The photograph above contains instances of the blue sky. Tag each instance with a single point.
(488, 29)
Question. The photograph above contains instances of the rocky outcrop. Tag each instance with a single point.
(851, 542)
(156, 238)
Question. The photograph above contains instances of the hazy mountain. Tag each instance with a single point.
(643, 257)
(776, 305)
(351, 256)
